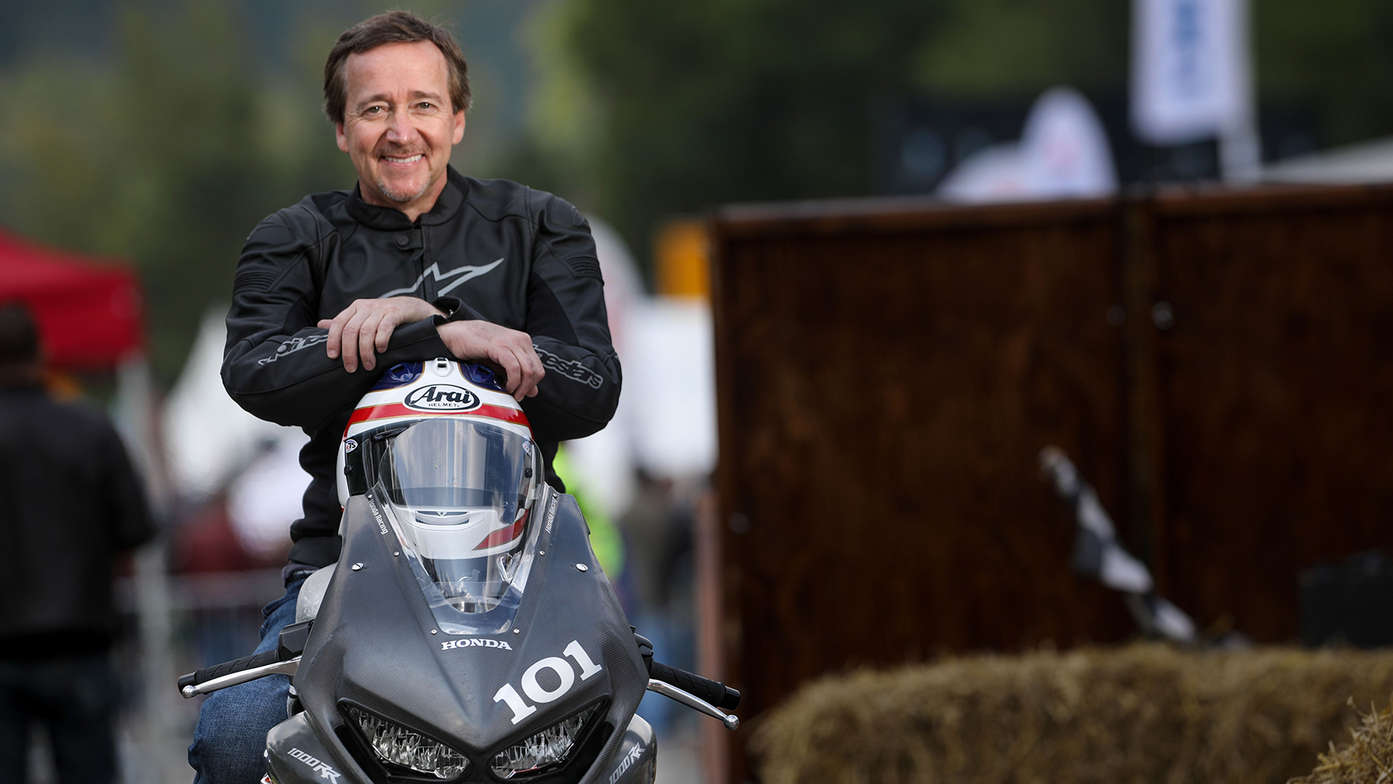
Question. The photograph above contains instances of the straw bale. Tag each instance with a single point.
(1140, 713)
(1367, 757)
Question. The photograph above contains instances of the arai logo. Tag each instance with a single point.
(442, 397)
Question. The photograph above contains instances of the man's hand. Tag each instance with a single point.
(508, 348)
(363, 329)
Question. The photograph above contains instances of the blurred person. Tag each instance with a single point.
(75, 507)
(416, 261)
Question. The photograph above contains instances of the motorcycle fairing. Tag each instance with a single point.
(294, 754)
(372, 645)
(635, 761)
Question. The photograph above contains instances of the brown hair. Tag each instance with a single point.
(392, 27)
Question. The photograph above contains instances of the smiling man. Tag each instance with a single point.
(400, 124)
(417, 261)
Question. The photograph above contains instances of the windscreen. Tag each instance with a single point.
(459, 492)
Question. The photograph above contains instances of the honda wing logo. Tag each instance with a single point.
(456, 276)
(442, 397)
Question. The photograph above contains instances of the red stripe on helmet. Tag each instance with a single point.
(390, 410)
(505, 535)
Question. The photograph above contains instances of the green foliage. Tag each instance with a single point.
(663, 108)
(165, 160)
(1011, 47)
(1333, 58)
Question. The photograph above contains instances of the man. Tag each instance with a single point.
(73, 507)
(416, 262)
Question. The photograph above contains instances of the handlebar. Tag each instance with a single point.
(284, 659)
(714, 692)
(199, 677)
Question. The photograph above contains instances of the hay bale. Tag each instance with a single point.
(1143, 713)
(1368, 757)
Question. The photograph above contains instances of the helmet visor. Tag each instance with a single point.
(459, 492)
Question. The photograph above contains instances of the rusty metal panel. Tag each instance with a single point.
(1274, 376)
(886, 376)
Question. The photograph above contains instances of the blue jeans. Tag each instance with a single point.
(232, 724)
(74, 698)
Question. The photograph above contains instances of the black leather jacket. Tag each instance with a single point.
(73, 504)
(489, 249)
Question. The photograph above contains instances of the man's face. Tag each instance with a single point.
(398, 125)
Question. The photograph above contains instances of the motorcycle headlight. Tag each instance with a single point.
(406, 747)
(543, 750)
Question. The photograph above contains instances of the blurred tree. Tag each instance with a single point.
(160, 160)
(192, 162)
(1332, 57)
(656, 108)
(1014, 48)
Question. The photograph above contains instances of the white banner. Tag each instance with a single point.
(1191, 71)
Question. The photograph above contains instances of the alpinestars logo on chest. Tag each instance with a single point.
(455, 277)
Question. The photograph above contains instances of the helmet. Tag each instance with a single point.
(447, 456)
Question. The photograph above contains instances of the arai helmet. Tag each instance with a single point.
(448, 457)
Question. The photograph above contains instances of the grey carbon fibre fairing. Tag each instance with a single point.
(636, 759)
(375, 644)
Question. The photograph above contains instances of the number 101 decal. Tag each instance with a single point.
(539, 693)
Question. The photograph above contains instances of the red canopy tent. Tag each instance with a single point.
(89, 314)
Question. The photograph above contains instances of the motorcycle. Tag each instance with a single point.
(466, 632)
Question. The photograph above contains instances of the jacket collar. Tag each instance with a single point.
(390, 219)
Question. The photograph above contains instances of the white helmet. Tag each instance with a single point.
(449, 456)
